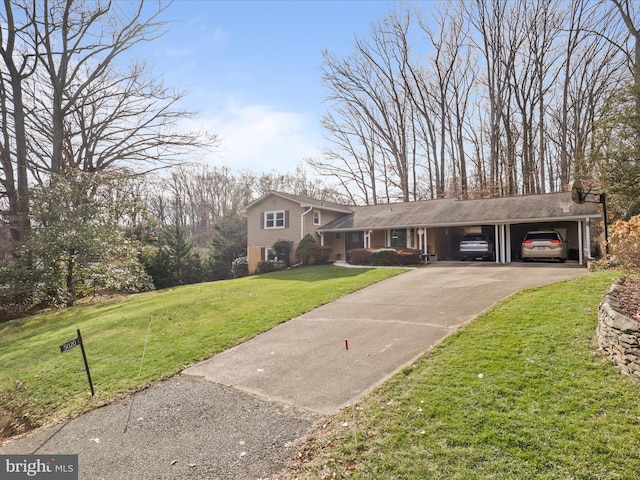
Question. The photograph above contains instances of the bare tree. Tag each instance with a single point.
(353, 161)
(94, 115)
(296, 183)
(510, 89)
(368, 82)
(452, 66)
(19, 64)
(67, 105)
(629, 14)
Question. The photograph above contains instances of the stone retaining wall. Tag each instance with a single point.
(618, 336)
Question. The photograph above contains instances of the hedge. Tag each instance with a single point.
(384, 256)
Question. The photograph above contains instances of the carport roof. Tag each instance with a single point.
(453, 212)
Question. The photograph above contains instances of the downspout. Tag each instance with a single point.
(302, 221)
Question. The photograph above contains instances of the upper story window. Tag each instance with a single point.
(316, 217)
(274, 219)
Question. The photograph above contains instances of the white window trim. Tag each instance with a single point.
(266, 258)
(274, 215)
(317, 217)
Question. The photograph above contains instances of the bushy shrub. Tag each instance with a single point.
(624, 243)
(282, 249)
(633, 211)
(359, 256)
(322, 255)
(384, 256)
(306, 249)
(310, 253)
(266, 266)
(240, 267)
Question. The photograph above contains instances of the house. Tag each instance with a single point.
(433, 226)
(281, 216)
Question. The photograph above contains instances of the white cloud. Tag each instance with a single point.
(259, 138)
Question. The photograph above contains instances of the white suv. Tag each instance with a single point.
(544, 244)
(476, 245)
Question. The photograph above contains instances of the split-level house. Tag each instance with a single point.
(433, 226)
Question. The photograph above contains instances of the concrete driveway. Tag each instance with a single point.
(194, 426)
(305, 362)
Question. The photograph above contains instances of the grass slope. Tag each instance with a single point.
(517, 394)
(189, 324)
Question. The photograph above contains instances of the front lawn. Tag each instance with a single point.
(517, 394)
(190, 323)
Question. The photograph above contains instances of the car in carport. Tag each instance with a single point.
(476, 245)
(544, 245)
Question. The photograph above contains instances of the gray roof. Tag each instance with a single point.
(452, 212)
(304, 202)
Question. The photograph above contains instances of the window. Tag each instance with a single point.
(270, 255)
(398, 238)
(274, 219)
(316, 217)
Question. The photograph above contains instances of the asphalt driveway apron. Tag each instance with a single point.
(237, 414)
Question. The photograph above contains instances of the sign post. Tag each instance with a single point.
(74, 343)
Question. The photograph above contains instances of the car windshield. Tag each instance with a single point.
(542, 236)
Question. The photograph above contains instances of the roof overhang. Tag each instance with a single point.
(304, 202)
(464, 224)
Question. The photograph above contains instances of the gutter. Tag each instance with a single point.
(463, 224)
(310, 208)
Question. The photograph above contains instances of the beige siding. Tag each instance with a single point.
(379, 238)
(259, 238)
(265, 237)
(336, 242)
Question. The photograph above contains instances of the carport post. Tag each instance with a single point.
(580, 245)
(503, 242)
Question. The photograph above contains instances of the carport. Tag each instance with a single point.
(436, 226)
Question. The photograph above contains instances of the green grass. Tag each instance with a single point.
(189, 324)
(546, 407)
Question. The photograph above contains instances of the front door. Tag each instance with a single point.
(353, 240)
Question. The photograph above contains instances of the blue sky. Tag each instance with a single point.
(252, 69)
